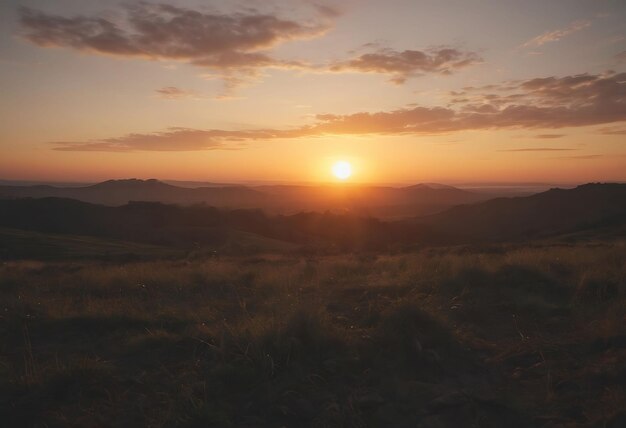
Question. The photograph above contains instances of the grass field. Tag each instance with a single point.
(16, 244)
(460, 336)
(19, 244)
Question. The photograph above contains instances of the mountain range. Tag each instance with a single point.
(591, 209)
(375, 201)
(552, 212)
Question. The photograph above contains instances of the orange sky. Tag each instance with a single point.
(406, 91)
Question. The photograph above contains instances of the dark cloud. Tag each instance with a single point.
(236, 43)
(233, 46)
(401, 65)
(545, 103)
(167, 32)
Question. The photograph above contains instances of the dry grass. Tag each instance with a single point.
(442, 337)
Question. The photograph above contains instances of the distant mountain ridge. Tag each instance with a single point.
(376, 201)
(120, 192)
(588, 210)
(548, 213)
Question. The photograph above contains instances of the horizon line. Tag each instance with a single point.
(254, 183)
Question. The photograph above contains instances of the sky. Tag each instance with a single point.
(452, 91)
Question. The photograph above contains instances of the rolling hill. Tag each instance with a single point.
(554, 212)
(589, 208)
(376, 201)
(119, 192)
(27, 244)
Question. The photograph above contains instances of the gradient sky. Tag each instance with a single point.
(405, 90)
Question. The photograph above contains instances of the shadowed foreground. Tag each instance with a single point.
(451, 337)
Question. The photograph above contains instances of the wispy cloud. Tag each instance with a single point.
(174, 139)
(581, 157)
(228, 43)
(401, 65)
(538, 149)
(613, 130)
(542, 103)
(327, 10)
(234, 47)
(160, 31)
(549, 136)
(175, 93)
(555, 35)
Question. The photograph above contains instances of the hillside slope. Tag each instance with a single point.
(375, 201)
(553, 212)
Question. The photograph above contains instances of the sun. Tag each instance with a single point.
(342, 170)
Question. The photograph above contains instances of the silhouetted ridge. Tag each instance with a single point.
(376, 201)
(157, 223)
(434, 186)
(548, 213)
(131, 182)
(554, 212)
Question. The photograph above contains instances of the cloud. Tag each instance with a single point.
(581, 157)
(174, 139)
(228, 43)
(555, 35)
(549, 136)
(537, 149)
(327, 10)
(552, 102)
(547, 103)
(167, 32)
(401, 65)
(613, 130)
(174, 93)
(542, 103)
(621, 57)
(234, 47)
(179, 139)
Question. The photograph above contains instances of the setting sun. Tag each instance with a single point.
(342, 170)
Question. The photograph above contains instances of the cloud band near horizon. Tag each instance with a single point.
(541, 103)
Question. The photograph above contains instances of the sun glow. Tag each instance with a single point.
(342, 170)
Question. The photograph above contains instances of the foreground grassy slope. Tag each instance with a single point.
(18, 244)
(448, 337)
